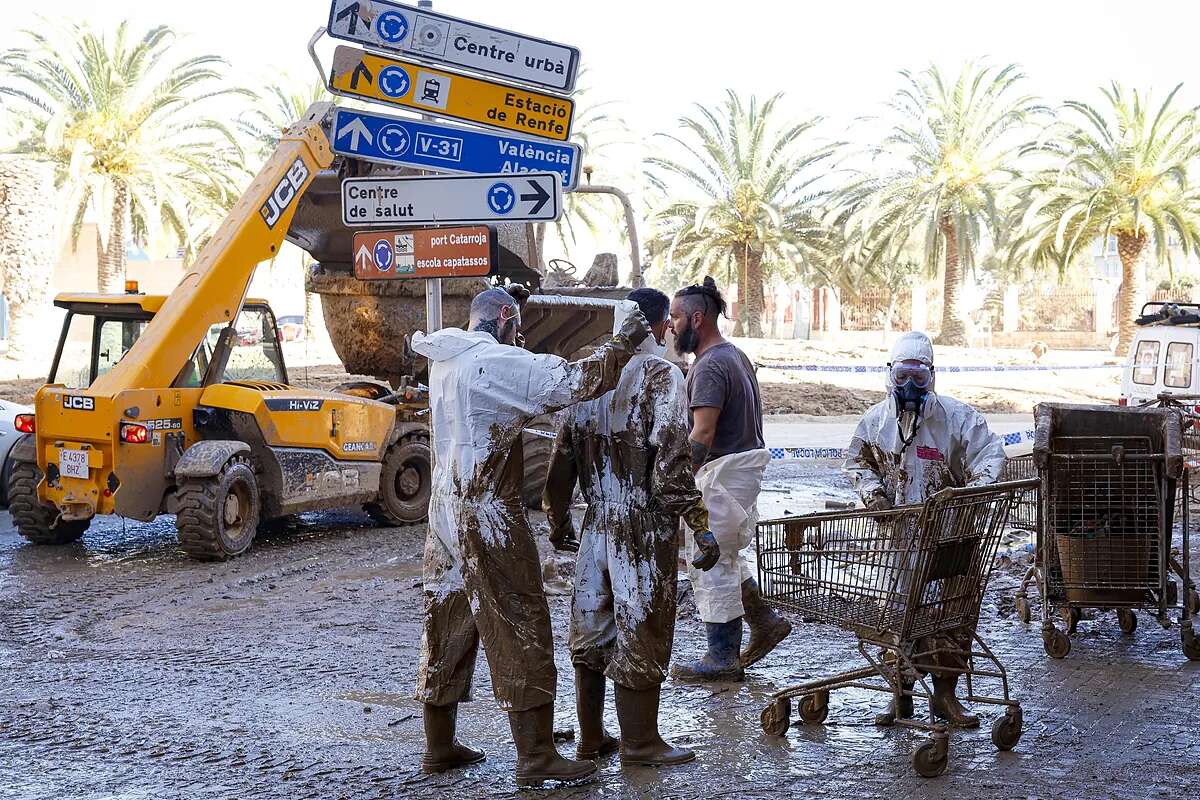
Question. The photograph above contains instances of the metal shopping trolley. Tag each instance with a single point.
(1109, 482)
(1026, 516)
(908, 582)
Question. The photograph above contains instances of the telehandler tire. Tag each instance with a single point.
(34, 519)
(405, 484)
(218, 515)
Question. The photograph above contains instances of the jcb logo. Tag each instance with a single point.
(79, 403)
(285, 192)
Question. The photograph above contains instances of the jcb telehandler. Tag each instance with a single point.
(183, 405)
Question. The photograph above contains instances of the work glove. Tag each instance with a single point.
(634, 329)
(564, 539)
(879, 502)
(709, 550)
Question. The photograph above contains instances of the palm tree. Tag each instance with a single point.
(940, 173)
(28, 251)
(128, 130)
(739, 200)
(1124, 171)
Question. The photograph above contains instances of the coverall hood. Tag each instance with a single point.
(650, 345)
(912, 346)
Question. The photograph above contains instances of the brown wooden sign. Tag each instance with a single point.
(469, 252)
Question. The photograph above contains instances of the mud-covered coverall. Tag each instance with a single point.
(629, 452)
(952, 447)
(482, 574)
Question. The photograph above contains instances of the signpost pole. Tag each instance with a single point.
(433, 286)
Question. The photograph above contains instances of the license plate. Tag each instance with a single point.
(73, 463)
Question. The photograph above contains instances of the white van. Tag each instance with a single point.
(1164, 355)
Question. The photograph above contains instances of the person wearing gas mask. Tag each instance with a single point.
(912, 444)
(628, 452)
(730, 459)
(482, 574)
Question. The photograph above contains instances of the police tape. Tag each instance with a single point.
(841, 453)
(863, 369)
(821, 453)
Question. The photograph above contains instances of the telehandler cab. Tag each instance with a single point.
(181, 404)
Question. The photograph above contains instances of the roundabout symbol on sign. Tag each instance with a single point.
(383, 255)
(393, 140)
(501, 198)
(391, 26)
(394, 82)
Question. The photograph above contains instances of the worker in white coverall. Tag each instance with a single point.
(628, 452)
(730, 458)
(482, 574)
(910, 445)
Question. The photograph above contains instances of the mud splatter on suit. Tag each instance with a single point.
(483, 579)
(629, 453)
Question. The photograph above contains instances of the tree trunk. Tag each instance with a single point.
(754, 295)
(954, 326)
(110, 267)
(739, 326)
(1130, 248)
(28, 254)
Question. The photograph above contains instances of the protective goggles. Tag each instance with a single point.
(919, 374)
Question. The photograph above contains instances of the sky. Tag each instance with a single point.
(656, 57)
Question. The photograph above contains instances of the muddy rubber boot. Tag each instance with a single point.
(767, 627)
(945, 705)
(888, 718)
(641, 743)
(538, 760)
(442, 751)
(722, 661)
(594, 741)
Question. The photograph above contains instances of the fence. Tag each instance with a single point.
(869, 311)
(1057, 308)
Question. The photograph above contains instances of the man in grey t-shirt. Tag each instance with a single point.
(729, 457)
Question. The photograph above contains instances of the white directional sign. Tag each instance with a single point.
(443, 39)
(451, 199)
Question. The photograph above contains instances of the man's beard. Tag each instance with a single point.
(687, 341)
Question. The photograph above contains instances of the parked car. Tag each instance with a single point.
(8, 437)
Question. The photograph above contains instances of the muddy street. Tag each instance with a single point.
(130, 671)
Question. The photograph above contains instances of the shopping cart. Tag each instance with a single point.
(1109, 481)
(908, 582)
(1025, 516)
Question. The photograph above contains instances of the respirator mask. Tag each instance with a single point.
(910, 383)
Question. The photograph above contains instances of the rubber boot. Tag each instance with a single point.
(442, 751)
(905, 710)
(767, 627)
(641, 743)
(946, 706)
(537, 758)
(722, 661)
(594, 741)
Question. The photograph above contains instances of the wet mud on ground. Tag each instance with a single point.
(129, 671)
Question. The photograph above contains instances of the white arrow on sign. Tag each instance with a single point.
(445, 199)
(364, 255)
(355, 129)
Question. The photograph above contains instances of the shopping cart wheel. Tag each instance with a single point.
(1024, 613)
(1070, 617)
(1127, 620)
(1194, 602)
(776, 718)
(1057, 643)
(1191, 646)
(814, 708)
(931, 758)
(1006, 731)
